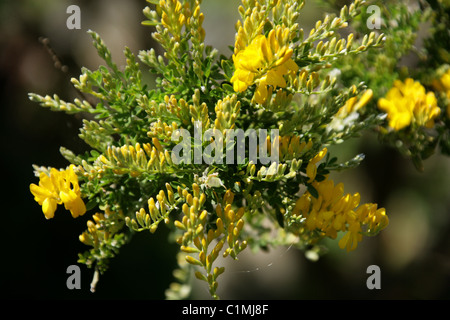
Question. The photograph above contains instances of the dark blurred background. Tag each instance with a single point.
(413, 253)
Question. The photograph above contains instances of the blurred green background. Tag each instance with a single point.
(413, 253)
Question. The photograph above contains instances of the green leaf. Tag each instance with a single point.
(280, 218)
(227, 87)
(91, 204)
(149, 23)
(267, 27)
(227, 68)
(312, 190)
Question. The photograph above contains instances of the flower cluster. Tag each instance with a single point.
(332, 212)
(97, 231)
(348, 113)
(408, 103)
(172, 16)
(329, 211)
(265, 61)
(59, 187)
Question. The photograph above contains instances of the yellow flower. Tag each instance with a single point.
(332, 212)
(95, 231)
(353, 104)
(265, 61)
(311, 168)
(443, 84)
(59, 187)
(445, 80)
(348, 113)
(350, 240)
(376, 219)
(408, 102)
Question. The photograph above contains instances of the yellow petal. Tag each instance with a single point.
(46, 182)
(303, 204)
(39, 193)
(266, 51)
(291, 65)
(311, 220)
(368, 94)
(261, 94)
(343, 243)
(49, 207)
(319, 156)
(311, 171)
(384, 104)
(349, 241)
(275, 78)
(77, 207)
(285, 56)
(238, 85)
(400, 120)
(67, 196)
